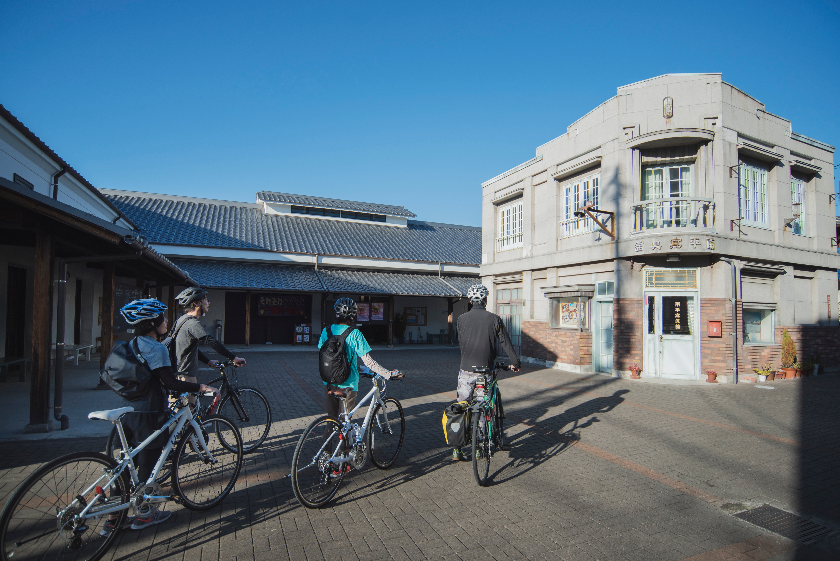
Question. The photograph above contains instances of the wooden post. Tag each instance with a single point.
(170, 303)
(391, 321)
(39, 393)
(248, 320)
(107, 312)
(323, 314)
(450, 307)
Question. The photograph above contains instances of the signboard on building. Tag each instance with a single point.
(271, 305)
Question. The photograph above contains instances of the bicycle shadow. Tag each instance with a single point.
(522, 458)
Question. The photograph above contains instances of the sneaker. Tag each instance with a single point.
(458, 455)
(111, 525)
(155, 517)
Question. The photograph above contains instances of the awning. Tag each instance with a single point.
(291, 278)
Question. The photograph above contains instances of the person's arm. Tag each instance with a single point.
(171, 383)
(375, 366)
(203, 357)
(502, 334)
(197, 330)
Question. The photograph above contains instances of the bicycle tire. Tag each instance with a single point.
(480, 447)
(30, 516)
(313, 480)
(254, 430)
(114, 446)
(384, 440)
(194, 479)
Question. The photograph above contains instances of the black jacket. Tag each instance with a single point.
(478, 331)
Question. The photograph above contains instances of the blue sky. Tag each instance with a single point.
(407, 104)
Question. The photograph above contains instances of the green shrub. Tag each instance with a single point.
(788, 350)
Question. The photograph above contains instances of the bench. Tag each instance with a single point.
(72, 352)
(5, 363)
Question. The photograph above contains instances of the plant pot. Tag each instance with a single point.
(711, 377)
(816, 370)
(762, 377)
(771, 375)
(797, 372)
(635, 374)
(786, 373)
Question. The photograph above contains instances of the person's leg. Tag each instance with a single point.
(466, 387)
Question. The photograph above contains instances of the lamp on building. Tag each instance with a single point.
(789, 221)
(588, 209)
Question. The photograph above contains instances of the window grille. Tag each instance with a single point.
(752, 192)
(510, 226)
(576, 195)
(797, 204)
(680, 279)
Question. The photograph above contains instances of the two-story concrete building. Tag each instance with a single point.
(627, 239)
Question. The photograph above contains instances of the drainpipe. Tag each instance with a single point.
(55, 177)
(734, 301)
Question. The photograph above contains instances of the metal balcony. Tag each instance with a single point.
(675, 213)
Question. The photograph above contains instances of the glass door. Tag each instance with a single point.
(671, 335)
(603, 331)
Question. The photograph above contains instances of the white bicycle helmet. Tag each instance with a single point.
(345, 308)
(477, 293)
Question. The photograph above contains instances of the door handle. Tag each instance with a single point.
(660, 338)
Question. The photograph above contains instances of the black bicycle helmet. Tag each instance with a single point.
(190, 295)
(345, 308)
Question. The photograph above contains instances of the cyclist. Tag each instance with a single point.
(478, 332)
(357, 348)
(150, 412)
(189, 334)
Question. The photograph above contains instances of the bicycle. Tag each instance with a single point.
(328, 445)
(486, 405)
(60, 510)
(247, 407)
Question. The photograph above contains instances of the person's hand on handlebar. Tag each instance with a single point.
(213, 363)
(513, 369)
(209, 389)
(396, 375)
(238, 361)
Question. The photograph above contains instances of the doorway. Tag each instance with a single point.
(15, 312)
(671, 338)
(602, 328)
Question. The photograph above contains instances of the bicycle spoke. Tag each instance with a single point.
(386, 433)
(316, 483)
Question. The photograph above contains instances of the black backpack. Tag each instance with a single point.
(126, 371)
(332, 358)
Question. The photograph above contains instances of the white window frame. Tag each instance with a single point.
(753, 200)
(510, 223)
(686, 185)
(797, 195)
(770, 318)
(576, 194)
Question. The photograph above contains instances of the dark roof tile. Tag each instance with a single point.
(323, 202)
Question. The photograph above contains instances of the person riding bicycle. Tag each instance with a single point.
(150, 412)
(478, 331)
(189, 334)
(357, 348)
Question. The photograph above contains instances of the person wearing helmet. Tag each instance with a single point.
(189, 334)
(148, 318)
(478, 331)
(357, 349)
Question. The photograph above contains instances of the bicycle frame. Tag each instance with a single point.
(183, 417)
(491, 398)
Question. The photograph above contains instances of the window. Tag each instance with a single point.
(666, 182)
(758, 326)
(21, 181)
(334, 213)
(797, 205)
(575, 195)
(752, 196)
(509, 306)
(510, 226)
(605, 289)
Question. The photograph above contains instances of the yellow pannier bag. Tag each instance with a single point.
(456, 421)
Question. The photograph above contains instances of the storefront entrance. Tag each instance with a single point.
(671, 326)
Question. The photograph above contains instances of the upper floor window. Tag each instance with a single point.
(510, 226)
(663, 182)
(752, 196)
(797, 205)
(575, 195)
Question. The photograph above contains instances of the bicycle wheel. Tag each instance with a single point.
(203, 481)
(315, 480)
(498, 427)
(480, 449)
(113, 448)
(40, 519)
(249, 411)
(386, 433)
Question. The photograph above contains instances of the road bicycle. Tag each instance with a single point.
(487, 419)
(60, 510)
(328, 447)
(247, 407)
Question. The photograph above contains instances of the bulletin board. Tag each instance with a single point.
(415, 316)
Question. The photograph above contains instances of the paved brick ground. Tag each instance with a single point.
(598, 468)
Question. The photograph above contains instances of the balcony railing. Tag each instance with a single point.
(576, 227)
(676, 212)
(509, 242)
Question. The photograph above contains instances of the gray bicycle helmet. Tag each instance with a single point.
(477, 293)
(190, 295)
(345, 308)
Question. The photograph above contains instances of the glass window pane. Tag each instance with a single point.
(651, 315)
(676, 315)
(758, 326)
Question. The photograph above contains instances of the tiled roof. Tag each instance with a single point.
(234, 274)
(222, 224)
(322, 202)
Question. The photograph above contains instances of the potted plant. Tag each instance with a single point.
(399, 328)
(765, 372)
(762, 374)
(635, 372)
(816, 360)
(788, 355)
(711, 376)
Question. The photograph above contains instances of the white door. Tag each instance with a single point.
(604, 337)
(671, 335)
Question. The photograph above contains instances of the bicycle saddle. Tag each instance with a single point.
(110, 414)
(338, 392)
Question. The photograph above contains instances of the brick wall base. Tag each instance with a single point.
(565, 349)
